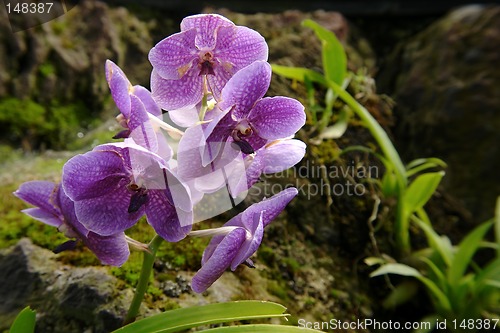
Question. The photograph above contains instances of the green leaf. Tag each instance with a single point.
(420, 191)
(422, 164)
(298, 73)
(371, 261)
(429, 160)
(260, 328)
(465, 251)
(398, 269)
(497, 225)
(406, 270)
(440, 244)
(333, 53)
(401, 294)
(24, 322)
(439, 275)
(182, 319)
(338, 129)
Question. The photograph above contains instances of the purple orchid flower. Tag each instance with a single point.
(136, 106)
(248, 118)
(274, 157)
(115, 184)
(204, 55)
(238, 239)
(54, 208)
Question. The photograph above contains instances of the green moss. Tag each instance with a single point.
(278, 289)
(46, 69)
(36, 125)
(291, 264)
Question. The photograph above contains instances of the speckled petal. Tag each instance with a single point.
(274, 205)
(282, 155)
(108, 214)
(67, 207)
(277, 117)
(42, 195)
(256, 224)
(120, 87)
(219, 261)
(43, 216)
(177, 94)
(271, 207)
(141, 129)
(245, 88)
(163, 217)
(110, 250)
(173, 56)
(92, 174)
(206, 26)
(238, 47)
(149, 103)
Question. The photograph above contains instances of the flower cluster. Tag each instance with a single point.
(210, 79)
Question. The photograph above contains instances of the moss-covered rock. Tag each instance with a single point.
(445, 84)
(57, 69)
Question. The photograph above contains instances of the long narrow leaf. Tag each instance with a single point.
(338, 129)
(298, 73)
(440, 244)
(406, 270)
(466, 250)
(333, 53)
(432, 160)
(398, 269)
(182, 319)
(261, 328)
(24, 322)
(421, 190)
(497, 225)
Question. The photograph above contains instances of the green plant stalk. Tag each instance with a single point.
(390, 152)
(142, 284)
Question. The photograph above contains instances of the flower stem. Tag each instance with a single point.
(204, 106)
(142, 285)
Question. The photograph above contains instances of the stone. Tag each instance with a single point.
(66, 299)
(63, 59)
(445, 84)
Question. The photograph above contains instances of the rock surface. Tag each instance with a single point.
(445, 82)
(64, 59)
(66, 299)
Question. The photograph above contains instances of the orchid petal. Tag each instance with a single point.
(206, 26)
(120, 87)
(42, 195)
(92, 174)
(239, 47)
(43, 216)
(219, 261)
(184, 117)
(67, 208)
(141, 128)
(163, 217)
(282, 155)
(256, 224)
(108, 214)
(177, 94)
(149, 103)
(245, 88)
(110, 250)
(277, 117)
(173, 56)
